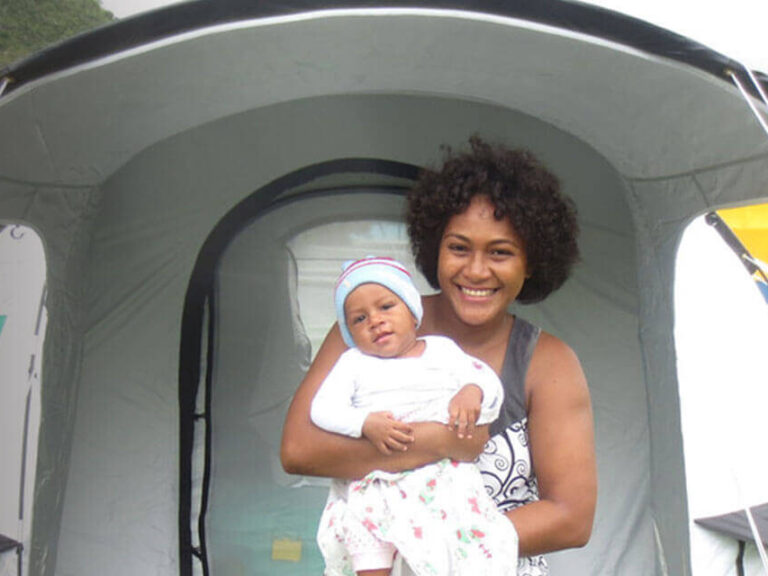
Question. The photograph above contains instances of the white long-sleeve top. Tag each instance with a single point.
(413, 389)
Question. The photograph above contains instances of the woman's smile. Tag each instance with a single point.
(477, 292)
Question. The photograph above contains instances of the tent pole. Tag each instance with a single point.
(758, 85)
(748, 98)
(758, 539)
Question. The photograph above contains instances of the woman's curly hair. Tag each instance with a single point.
(520, 188)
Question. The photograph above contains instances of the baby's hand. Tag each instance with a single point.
(464, 410)
(386, 433)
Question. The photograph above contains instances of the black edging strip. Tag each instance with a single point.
(207, 418)
(201, 287)
(187, 16)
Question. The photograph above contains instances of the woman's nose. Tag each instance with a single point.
(477, 267)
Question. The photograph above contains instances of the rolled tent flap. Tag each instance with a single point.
(747, 525)
(735, 523)
(130, 147)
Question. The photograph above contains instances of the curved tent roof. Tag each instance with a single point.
(627, 67)
(131, 145)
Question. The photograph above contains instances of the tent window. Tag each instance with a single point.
(273, 305)
(245, 348)
(22, 329)
(320, 253)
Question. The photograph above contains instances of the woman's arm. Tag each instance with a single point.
(306, 449)
(562, 448)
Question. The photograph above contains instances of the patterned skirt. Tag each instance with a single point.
(438, 517)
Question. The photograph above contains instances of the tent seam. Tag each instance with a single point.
(691, 173)
(40, 184)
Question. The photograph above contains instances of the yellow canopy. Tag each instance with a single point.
(750, 224)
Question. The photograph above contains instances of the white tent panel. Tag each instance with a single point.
(22, 328)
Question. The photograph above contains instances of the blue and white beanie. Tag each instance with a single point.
(371, 270)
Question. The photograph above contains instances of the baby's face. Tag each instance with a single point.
(380, 323)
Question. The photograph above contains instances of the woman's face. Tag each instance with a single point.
(481, 264)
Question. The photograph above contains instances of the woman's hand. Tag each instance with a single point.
(440, 442)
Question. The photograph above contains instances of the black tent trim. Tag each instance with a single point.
(199, 293)
(733, 242)
(188, 16)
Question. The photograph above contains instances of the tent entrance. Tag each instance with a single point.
(263, 304)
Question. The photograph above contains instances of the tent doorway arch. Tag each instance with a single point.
(243, 351)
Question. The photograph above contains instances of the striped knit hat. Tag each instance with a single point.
(371, 270)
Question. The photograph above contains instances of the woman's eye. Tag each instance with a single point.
(501, 252)
(457, 248)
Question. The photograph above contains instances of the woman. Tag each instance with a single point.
(487, 229)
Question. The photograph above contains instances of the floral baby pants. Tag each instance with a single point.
(438, 517)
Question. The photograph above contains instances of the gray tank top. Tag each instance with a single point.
(522, 341)
(506, 461)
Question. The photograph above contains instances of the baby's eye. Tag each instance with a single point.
(388, 305)
(357, 319)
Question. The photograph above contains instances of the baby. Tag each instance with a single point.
(438, 517)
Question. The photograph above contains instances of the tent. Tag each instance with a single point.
(197, 173)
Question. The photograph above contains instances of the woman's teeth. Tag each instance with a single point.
(477, 291)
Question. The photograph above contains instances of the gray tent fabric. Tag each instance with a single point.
(127, 163)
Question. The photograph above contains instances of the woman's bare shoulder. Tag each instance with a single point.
(550, 345)
(554, 362)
